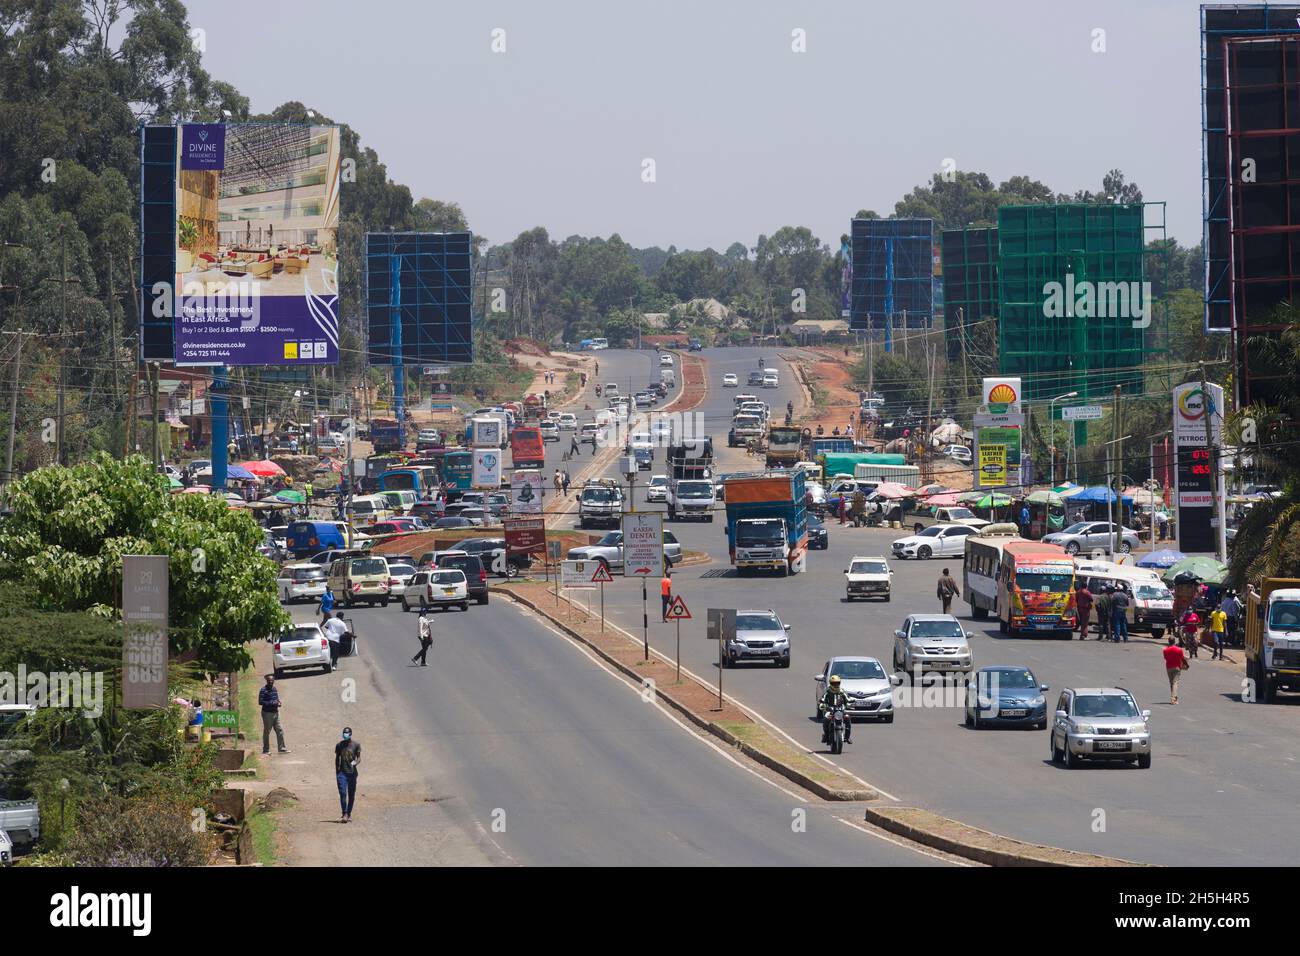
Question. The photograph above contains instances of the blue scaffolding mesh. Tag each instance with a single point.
(432, 299)
(893, 273)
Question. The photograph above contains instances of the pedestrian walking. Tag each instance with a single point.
(334, 630)
(268, 698)
(326, 606)
(1218, 625)
(347, 757)
(1024, 521)
(574, 447)
(1102, 605)
(1189, 624)
(307, 492)
(666, 592)
(565, 481)
(559, 483)
(946, 589)
(1083, 605)
(1162, 523)
(426, 638)
(1119, 602)
(1175, 664)
(1232, 611)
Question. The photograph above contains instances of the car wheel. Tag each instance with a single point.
(483, 599)
(327, 667)
(783, 662)
(405, 607)
(1056, 754)
(1072, 548)
(1125, 547)
(1144, 761)
(1070, 760)
(1002, 625)
(384, 602)
(464, 605)
(512, 571)
(970, 721)
(923, 552)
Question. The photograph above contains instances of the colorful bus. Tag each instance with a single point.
(1035, 588)
(458, 470)
(981, 566)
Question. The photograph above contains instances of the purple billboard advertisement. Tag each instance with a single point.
(257, 244)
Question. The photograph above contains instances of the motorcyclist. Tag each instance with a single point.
(835, 697)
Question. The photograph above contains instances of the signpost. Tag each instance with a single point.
(677, 611)
(721, 627)
(1081, 413)
(602, 577)
(145, 617)
(643, 557)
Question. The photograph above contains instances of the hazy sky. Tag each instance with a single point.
(746, 135)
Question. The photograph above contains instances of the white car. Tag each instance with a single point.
(867, 577)
(568, 422)
(305, 645)
(661, 430)
(666, 360)
(399, 575)
(641, 441)
(936, 541)
(437, 587)
(550, 431)
(302, 581)
(730, 380)
(657, 490)
(869, 687)
(959, 453)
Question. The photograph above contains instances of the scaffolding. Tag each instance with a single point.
(970, 292)
(418, 297)
(1071, 293)
(893, 275)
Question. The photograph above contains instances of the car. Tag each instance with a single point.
(568, 422)
(550, 431)
(661, 431)
(399, 575)
(452, 521)
(430, 559)
(760, 635)
(475, 573)
(328, 444)
(818, 539)
(665, 360)
(931, 642)
(697, 345)
(869, 687)
(301, 581)
(640, 441)
(645, 458)
(492, 552)
(730, 380)
(439, 587)
(359, 578)
(299, 647)
(591, 432)
(609, 550)
(1090, 536)
(936, 541)
(427, 511)
(1100, 723)
(959, 453)
(326, 558)
(644, 399)
(657, 490)
(1001, 694)
(477, 517)
(867, 576)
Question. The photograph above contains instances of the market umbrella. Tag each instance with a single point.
(174, 482)
(289, 497)
(893, 489)
(944, 500)
(1207, 570)
(933, 488)
(1143, 497)
(264, 468)
(984, 499)
(1045, 498)
(1165, 558)
(197, 490)
(236, 472)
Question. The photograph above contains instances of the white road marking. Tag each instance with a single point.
(924, 850)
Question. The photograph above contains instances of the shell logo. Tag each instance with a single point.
(1002, 394)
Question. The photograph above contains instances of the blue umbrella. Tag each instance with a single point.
(1161, 559)
(240, 473)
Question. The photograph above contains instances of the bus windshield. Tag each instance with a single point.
(1054, 582)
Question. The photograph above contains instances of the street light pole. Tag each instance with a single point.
(1051, 424)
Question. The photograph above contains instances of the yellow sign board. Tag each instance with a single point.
(993, 466)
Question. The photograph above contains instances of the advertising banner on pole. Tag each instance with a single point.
(487, 468)
(525, 535)
(578, 574)
(997, 450)
(526, 492)
(643, 545)
(145, 617)
(1197, 509)
(256, 255)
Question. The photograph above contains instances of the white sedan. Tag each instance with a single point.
(437, 587)
(298, 582)
(305, 645)
(936, 541)
(568, 422)
(657, 490)
(730, 380)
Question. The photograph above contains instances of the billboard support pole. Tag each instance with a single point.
(395, 340)
(220, 428)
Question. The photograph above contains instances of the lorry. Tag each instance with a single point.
(386, 434)
(957, 514)
(767, 526)
(526, 449)
(600, 502)
(20, 815)
(784, 446)
(909, 475)
(744, 428)
(691, 492)
(1273, 637)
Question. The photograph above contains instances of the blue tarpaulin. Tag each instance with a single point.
(1096, 493)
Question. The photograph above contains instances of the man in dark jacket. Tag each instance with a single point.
(1102, 604)
(946, 590)
(268, 698)
(1083, 604)
(347, 756)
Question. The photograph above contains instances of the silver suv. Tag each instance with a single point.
(1100, 723)
(931, 642)
(760, 635)
(609, 550)
(600, 502)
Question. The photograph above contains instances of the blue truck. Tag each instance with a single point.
(767, 526)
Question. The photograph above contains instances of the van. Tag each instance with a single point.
(771, 378)
(368, 509)
(359, 579)
(400, 502)
(305, 538)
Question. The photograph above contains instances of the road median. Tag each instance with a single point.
(690, 698)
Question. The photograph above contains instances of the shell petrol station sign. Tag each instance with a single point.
(998, 424)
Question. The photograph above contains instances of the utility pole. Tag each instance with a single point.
(961, 326)
(63, 345)
(1216, 462)
(1112, 498)
(13, 414)
(112, 316)
(153, 424)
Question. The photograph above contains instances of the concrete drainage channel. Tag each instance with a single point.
(910, 823)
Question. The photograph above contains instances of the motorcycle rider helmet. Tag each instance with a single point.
(835, 680)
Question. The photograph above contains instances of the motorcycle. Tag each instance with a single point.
(837, 720)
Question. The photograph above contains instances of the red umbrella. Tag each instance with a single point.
(264, 468)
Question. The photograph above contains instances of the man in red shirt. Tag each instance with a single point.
(1083, 606)
(1175, 664)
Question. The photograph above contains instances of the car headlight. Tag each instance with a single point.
(1084, 729)
(1138, 729)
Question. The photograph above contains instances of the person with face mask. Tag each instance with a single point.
(347, 757)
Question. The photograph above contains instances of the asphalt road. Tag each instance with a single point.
(558, 762)
(1222, 786)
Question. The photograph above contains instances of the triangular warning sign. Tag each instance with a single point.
(677, 611)
(602, 574)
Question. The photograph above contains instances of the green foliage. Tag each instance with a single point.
(142, 831)
(901, 379)
(70, 528)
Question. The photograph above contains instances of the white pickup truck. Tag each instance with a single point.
(20, 820)
(691, 498)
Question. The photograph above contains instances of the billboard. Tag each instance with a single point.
(419, 296)
(1197, 509)
(145, 594)
(893, 273)
(255, 254)
(526, 492)
(643, 544)
(525, 535)
(487, 468)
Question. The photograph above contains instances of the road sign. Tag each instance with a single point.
(602, 575)
(577, 574)
(555, 549)
(1081, 413)
(643, 544)
(437, 370)
(677, 611)
(525, 535)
